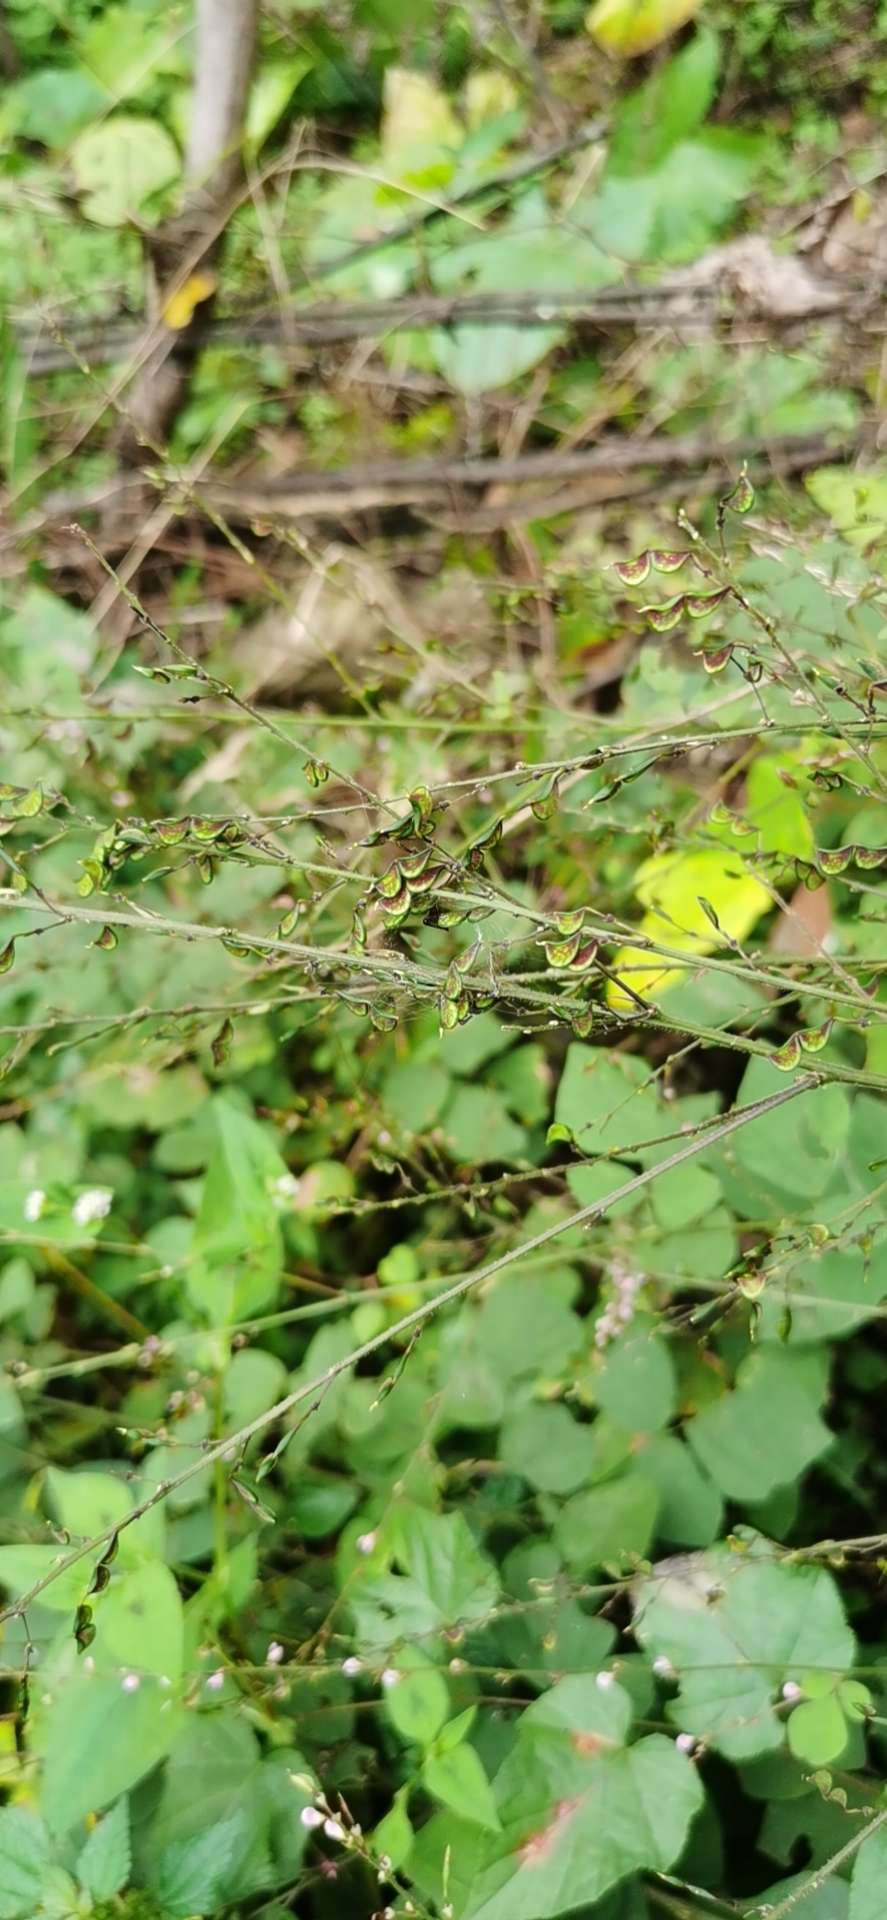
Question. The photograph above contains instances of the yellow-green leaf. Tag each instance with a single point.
(629, 27)
(672, 887)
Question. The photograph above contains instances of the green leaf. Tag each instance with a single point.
(103, 1863)
(817, 1731)
(96, 1740)
(869, 1878)
(636, 1384)
(418, 1704)
(270, 93)
(186, 1876)
(609, 1525)
(121, 165)
(580, 1811)
(140, 1622)
(439, 1553)
(237, 1247)
(393, 1838)
(458, 1779)
(762, 1435)
(24, 1862)
(548, 1448)
(476, 1126)
(669, 107)
(735, 1626)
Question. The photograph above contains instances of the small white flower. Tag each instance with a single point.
(605, 1681)
(93, 1204)
(365, 1542)
(286, 1190)
(685, 1742)
(215, 1681)
(352, 1666)
(274, 1654)
(791, 1690)
(35, 1202)
(131, 1683)
(390, 1677)
(310, 1817)
(334, 1829)
(663, 1667)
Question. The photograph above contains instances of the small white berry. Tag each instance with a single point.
(352, 1666)
(663, 1667)
(390, 1677)
(274, 1654)
(685, 1742)
(365, 1542)
(131, 1683)
(215, 1681)
(791, 1690)
(605, 1681)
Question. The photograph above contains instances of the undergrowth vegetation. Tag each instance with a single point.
(442, 1005)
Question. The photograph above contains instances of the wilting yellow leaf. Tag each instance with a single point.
(416, 114)
(628, 27)
(179, 309)
(671, 886)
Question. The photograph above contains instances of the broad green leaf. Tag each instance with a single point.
(393, 1838)
(187, 1875)
(270, 93)
(669, 107)
(52, 104)
(636, 1382)
(526, 1324)
(580, 1811)
(120, 165)
(775, 807)
(630, 27)
(671, 886)
(609, 1525)
(214, 1768)
(476, 1126)
(548, 1448)
(790, 1156)
(764, 1433)
(856, 503)
(418, 1704)
(690, 1505)
(817, 1731)
(458, 1779)
(22, 1567)
(24, 1862)
(735, 1626)
(869, 1878)
(414, 1093)
(609, 1104)
(96, 1739)
(828, 1292)
(237, 1248)
(104, 1861)
(526, 252)
(438, 1552)
(139, 1621)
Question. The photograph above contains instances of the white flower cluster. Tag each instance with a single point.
(93, 1204)
(620, 1310)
